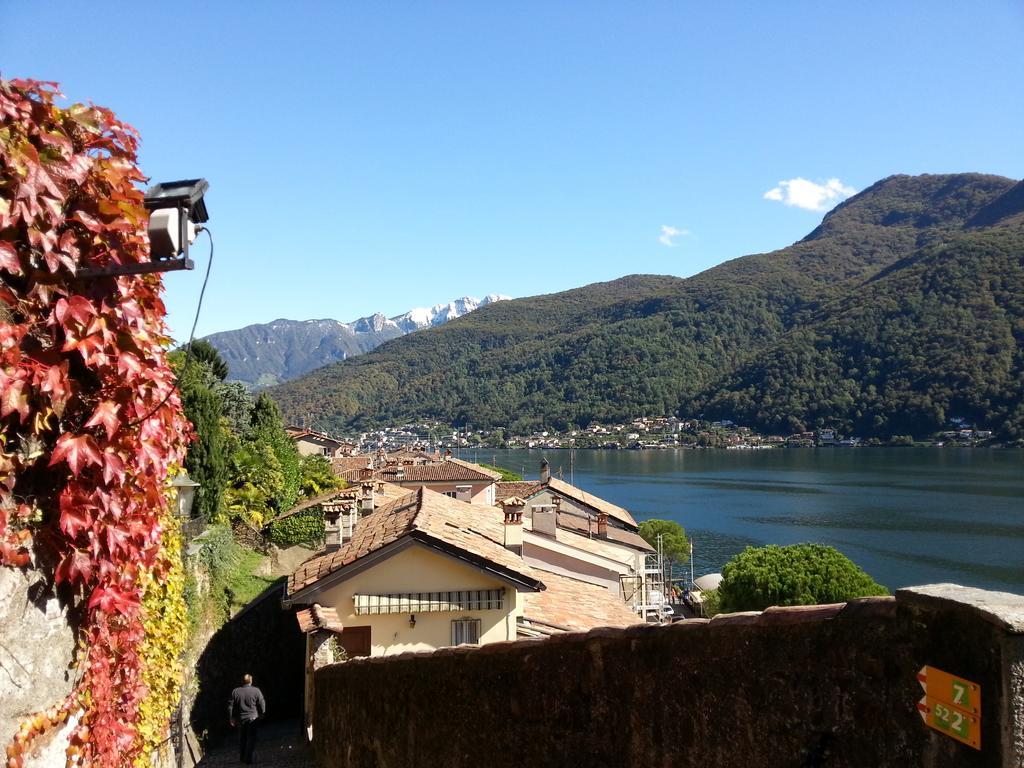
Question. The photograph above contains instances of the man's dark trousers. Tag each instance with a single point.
(247, 739)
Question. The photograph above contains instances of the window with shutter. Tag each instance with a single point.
(466, 631)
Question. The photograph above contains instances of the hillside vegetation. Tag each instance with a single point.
(901, 310)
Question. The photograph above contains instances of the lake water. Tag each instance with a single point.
(907, 516)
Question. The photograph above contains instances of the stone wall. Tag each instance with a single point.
(817, 686)
(37, 646)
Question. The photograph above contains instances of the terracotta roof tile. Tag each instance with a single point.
(333, 495)
(477, 531)
(579, 524)
(345, 463)
(575, 605)
(520, 488)
(589, 500)
(451, 470)
(317, 617)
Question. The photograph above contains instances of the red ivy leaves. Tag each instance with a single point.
(106, 415)
(77, 452)
(9, 258)
(82, 371)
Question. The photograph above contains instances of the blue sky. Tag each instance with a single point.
(375, 157)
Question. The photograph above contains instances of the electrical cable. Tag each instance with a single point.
(191, 336)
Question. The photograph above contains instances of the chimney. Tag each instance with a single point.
(544, 518)
(447, 453)
(602, 524)
(366, 505)
(332, 530)
(513, 508)
(545, 471)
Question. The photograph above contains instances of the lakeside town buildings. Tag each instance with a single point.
(424, 551)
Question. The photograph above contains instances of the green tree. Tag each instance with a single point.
(316, 476)
(256, 484)
(674, 544)
(237, 406)
(265, 414)
(207, 460)
(206, 353)
(799, 574)
(268, 428)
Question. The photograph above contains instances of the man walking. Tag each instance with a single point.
(245, 709)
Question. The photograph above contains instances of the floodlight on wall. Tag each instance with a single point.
(175, 209)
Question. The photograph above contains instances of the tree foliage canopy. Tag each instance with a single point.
(205, 352)
(674, 544)
(799, 574)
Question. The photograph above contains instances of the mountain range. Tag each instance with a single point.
(268, 353)
(902, 310)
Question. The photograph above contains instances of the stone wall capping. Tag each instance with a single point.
(565, 637)
(597, 633)
(640, 630)
(789, 685)
(799, 614)
(451, 650)
(1002, 609)
(502, 646)
(883, 606)
(688, 624)
(740, 618)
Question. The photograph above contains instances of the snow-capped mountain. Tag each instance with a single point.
(267, 353)
(422, 317)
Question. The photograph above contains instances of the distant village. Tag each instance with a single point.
(644, 433)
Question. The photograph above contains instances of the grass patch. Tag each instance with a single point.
(243, 583)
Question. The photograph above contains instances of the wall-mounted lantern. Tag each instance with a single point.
(183, 494)
(412, 621)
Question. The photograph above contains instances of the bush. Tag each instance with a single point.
(305, 527)
(711, 602)
(230, 574)
(800, 574)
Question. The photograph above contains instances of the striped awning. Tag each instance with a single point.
(431, 602)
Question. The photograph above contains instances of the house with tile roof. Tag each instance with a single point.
(424, 555)
(424, 570)
(310, 443)
(452, 477)
(576, 534)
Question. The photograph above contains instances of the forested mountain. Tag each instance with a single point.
(269, 353)
(901, 310)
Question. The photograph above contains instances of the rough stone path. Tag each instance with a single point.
(280, 745)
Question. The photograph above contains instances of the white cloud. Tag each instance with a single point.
(801, 193)
(669, 234)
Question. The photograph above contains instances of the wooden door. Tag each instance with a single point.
(355, 641)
